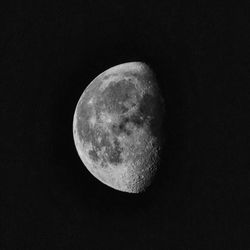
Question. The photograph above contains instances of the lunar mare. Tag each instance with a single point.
(117, 127)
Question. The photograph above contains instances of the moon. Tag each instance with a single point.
(117, 127)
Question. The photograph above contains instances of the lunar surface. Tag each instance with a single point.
(117, 127)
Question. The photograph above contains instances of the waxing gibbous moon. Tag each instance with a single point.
(117, 127)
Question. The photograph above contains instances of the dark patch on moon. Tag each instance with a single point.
(146, 114)
(137, 119)
(104, 150)
(93, 155)
(114, 97)
(114, 153)
(120, 128)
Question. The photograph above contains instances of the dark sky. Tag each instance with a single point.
(50, 51)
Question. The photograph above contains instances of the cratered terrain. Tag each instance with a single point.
(117, 127)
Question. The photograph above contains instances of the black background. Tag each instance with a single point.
(51, 50)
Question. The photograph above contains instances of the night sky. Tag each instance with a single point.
(50, 51)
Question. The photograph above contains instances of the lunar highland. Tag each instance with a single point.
(117, 127)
